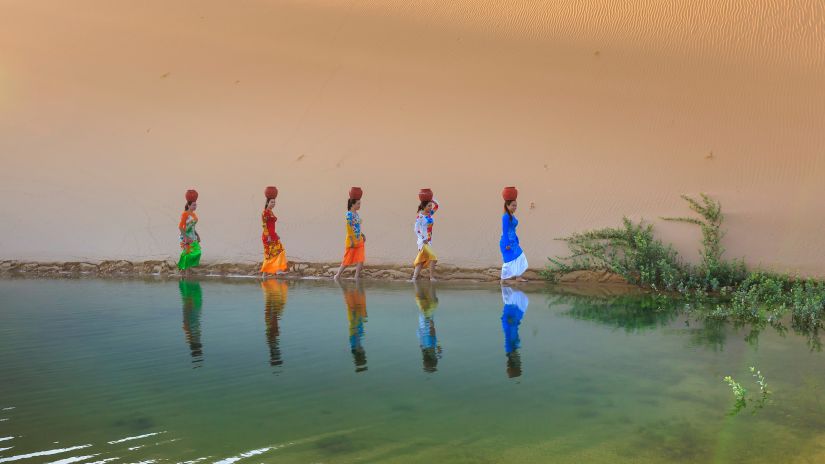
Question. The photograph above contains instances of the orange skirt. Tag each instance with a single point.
(274, 258)
(354, 255)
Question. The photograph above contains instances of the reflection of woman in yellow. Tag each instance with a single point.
(275, 294)
(427, 302)
(356, 302)
(192, 296)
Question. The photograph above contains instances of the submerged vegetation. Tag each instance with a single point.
(740, 393)
(726, 290)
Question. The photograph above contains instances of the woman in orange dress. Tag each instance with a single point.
(354, 254)
(275, 261)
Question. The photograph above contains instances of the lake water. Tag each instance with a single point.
(309, 372)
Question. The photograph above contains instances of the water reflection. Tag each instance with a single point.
(640, 313)
(427, 302)
(515, 305)
(192, 296)
(633, 313)
(356, 302)
(275, 295)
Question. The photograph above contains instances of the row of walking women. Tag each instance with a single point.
(275, 299)
(275, 260)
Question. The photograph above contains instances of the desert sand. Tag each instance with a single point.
(109, 110)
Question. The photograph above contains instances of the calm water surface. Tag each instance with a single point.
(95, 371)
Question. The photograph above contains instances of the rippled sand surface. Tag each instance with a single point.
(595, 110)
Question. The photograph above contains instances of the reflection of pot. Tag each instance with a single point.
(425, 195)
(509, 193)
(191, 195)
(355, 193)
(271, 192)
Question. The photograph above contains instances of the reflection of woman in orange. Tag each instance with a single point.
(427, 302)
(356, 302)
(275, 293)
(190, 293)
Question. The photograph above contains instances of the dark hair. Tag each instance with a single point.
(506, 204)
(267, 202)
(351, 202)
(513, 364)
(423, 205)
(186, 206)
(430, 359)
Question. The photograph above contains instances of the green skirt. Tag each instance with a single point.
(191, 259)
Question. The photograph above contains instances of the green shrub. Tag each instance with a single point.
(633, 252)
(630, 251)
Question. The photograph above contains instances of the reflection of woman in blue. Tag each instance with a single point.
(356, 302)
(515, 305)
(190, 293)
(427, 302)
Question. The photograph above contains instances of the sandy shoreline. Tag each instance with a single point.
(297, 270)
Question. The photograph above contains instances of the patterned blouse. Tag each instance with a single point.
(424, 227)
(268, 220)
(353, 229)
(188, 220)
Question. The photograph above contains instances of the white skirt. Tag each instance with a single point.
(514, 297)
(514, 268)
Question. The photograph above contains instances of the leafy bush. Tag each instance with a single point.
(630, 251)
(633, 252)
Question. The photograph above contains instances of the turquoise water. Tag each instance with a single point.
(309, 372)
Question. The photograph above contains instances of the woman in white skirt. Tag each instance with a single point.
(515, 263)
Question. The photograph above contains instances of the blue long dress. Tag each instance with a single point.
(515, 306)
(509, 238)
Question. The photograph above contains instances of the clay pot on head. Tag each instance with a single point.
(355, 193)
(509, 193)
(271, 192)
(191, 195)
(425, 195)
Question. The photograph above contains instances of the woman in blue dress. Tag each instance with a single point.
(515, 263)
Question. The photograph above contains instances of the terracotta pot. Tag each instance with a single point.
(271, 192)
(355, 193)
(425, 195)
(191, 195)
(509, 193)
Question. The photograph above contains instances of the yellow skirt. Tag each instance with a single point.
(354, 255)
(425, 255)
(274, 258)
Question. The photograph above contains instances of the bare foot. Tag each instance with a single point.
(522, 279)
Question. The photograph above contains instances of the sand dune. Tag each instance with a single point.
(110, 110)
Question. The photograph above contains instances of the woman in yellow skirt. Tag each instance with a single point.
(424, 234)
(275, 261)
(354, 254)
